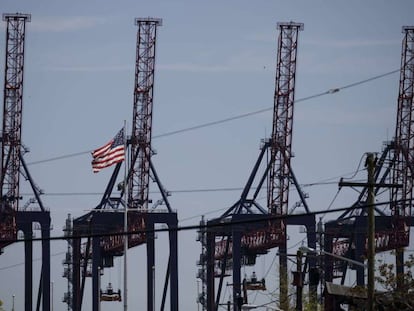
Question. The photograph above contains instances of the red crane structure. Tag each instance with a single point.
(347, 235)
(141, 218)
(14, 218)
(403, 172)
(247, 229)
(281, 141)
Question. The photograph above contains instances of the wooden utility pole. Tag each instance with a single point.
(299, 285)
(370, 164)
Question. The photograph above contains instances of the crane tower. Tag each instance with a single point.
(403, 170)
(12, 123)
(12, 217)
(404, 133)
(396, 163)
(229, 247)
(281, 140)
(138, 182)
(137, 216)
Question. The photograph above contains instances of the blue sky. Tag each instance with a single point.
(215, 60)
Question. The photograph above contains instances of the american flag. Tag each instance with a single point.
(111, 153)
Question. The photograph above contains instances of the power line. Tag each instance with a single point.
(330, 204)
(323, 182)
(233, 118)
(197, 190)
(370, 79)
(207, 213)
(35, 259)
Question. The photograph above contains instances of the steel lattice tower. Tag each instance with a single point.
(12, 218)
(281, 140)
(232, 246)
(396, 163)
(403, 170)
(404, 134)
(12, 123)
(137, 217)
(138, 182)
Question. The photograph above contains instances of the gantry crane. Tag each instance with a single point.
(403, 170)
(14, 218)
(247, 229)
(281, 141)
(347, 235)
(141, 218)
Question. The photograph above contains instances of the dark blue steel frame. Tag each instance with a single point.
(100, 222)
(246, 215)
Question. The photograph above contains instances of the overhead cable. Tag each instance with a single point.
(233, 118)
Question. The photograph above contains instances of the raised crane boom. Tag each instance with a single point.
(392, 232)
(404, 132)
(12, 125)
(138, 182)
(281, 140)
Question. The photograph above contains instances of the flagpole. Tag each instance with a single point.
(125, 221)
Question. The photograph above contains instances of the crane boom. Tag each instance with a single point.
(281, 140)
(138, 182)
(12, 124)
(404, 132)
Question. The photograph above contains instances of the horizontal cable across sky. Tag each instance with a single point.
(233, 118)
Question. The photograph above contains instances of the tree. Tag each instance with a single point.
(395, 292)
(399, 290)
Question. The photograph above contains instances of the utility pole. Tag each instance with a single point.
(51, 296)
(370, 164)
(299, 285)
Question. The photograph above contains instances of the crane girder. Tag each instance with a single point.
(114, 244)
(258, 241)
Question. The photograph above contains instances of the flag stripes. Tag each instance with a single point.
(111, 153)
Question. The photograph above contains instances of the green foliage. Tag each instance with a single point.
(396, 293)
(399, 290)
(310, 305)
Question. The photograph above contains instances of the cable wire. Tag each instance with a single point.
(330, 204)
(233, 118)
(22, 263)
(322, 182)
